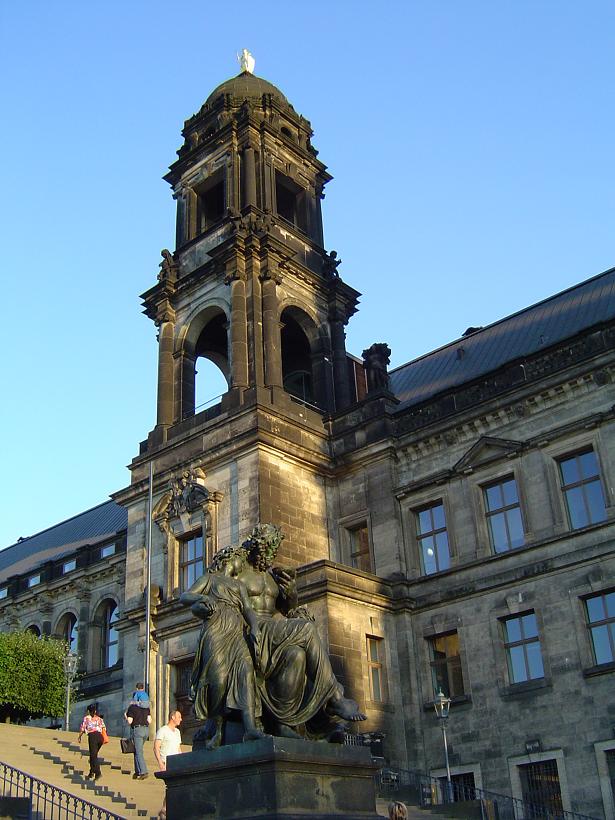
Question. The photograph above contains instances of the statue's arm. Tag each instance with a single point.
(249, 614)
(197, 592)
(287, 585)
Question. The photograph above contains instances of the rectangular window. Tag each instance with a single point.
(375, 652)
(211, 204)
(523, 648)
(291, 202)
(4, 591)
(446, 671)
(504, 515)
(540, 789)
(360, 556)
(433, 538)
(601, 622)
(191, 564)
(107, 550)
(582, 489)
(69, 566)
(34, 580)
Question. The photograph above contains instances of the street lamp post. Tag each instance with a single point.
(70, 668)
(442, 704)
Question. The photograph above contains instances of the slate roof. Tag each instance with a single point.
(518, 336)
(88, 527)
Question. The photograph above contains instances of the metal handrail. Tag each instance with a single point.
(49, 802)
(432, 791)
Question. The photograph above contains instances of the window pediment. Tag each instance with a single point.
(486, 450)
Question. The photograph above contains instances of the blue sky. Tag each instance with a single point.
(471, 148)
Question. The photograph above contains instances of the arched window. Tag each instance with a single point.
(297, 373)
(68, 627)
(33, 628)
(109, 643)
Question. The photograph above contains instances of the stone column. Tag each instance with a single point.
(271, 332)
(249, 177)
(187, 398)
(340, 364)
(166, 332)
(83, 632)
(239, 331)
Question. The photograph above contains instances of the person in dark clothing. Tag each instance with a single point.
(92, 725)
(139, 718)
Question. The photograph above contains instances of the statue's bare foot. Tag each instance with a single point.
(346, 708)
(254, 734)
(282, 730)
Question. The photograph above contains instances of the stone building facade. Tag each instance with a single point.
(452, 521)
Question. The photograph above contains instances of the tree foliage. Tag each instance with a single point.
(32, 680)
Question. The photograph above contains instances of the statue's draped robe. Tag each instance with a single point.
(223, 669)
(318, 685)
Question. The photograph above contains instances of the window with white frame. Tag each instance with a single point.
(4, 591)
(523, 651)
(69, 566)
(600, 610)
(503, 513)
(67, 630)
(109, 643)
(191, 560)
(432, 538)
(34, 580)
(582, 489)
(107, 550)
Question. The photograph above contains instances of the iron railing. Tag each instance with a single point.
(432, 791)
(48, 802)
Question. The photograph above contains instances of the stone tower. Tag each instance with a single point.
(250, 287)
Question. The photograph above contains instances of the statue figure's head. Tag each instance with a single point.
(262, 545)
(228, 561)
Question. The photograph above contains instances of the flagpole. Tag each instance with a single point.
(148, 577)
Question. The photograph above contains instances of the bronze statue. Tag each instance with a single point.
(296, 692)
(223, 674)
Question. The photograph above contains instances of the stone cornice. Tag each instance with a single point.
(533, 443)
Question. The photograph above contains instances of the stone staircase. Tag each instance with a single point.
(55, 757)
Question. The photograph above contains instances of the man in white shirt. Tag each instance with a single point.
(167, 742)
(168, 739)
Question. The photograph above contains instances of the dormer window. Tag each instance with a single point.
(211, 203)
(69, 566)
(107, 551)
(4, 591)
(34, 580)
(291, 201)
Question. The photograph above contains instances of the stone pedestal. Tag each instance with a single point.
(272, 778)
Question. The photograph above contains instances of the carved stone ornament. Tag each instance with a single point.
(376, 360)
(187, 493)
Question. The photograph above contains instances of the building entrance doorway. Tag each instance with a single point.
(540, 788)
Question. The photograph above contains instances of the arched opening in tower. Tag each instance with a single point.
(212, 368)
(297, 370)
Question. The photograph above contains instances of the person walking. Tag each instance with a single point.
(138, 717)
(167, 742)
(398, 811)
(92, 725)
